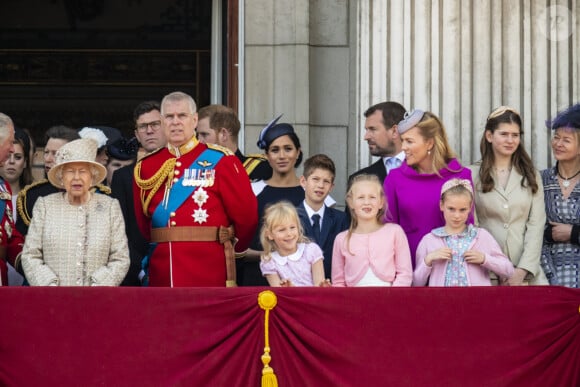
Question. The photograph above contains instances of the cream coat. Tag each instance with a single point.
(71, 245)
(515, 217)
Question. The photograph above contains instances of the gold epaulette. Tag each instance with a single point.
(21, 201)
(260, 156)
(252, 161)
(163, 174)
(102, 189)
(220, 148)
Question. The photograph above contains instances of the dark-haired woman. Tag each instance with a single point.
(509, 198)
(17, 171)
(283, 152)
(561, 251)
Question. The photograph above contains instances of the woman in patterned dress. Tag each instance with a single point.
(561, 250)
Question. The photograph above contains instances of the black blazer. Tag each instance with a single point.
(122, 190)
(378, 168)
(334, 221)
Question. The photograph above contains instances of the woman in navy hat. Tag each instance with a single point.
(120, 153)
(282, 148)
(561, 250)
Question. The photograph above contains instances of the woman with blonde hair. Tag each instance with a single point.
(561, 250)
(509, 199)
(413, 190)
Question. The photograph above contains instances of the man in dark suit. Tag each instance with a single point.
(383, 138)
(321, 223)
(148, 131)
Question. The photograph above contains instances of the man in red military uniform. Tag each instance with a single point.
(11, 240)
(191, 199)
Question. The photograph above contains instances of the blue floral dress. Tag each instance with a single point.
(455, 272)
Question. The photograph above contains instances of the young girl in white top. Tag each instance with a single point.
(370, 252)
(289, 258)
(459, 254)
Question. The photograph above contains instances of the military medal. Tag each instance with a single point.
(200, 196)
(200, 215)
(4, 194)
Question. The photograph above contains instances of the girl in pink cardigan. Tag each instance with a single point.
(458, 254)
(370, 253)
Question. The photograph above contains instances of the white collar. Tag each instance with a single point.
(283, 260)
(310, 211)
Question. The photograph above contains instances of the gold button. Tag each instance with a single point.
(175, 180)
(176, 172)
(173, 223)
(178, 163)
(172, 214)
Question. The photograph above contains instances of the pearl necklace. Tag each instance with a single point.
(566, 180)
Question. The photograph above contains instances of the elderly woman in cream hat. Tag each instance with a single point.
(76, 238)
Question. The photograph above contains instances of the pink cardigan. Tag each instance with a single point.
(385, 251)
(477, 275)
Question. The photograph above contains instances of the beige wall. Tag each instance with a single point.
(322, 63)
(297, 63)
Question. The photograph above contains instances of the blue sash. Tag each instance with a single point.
(3, 202)
(180, 192)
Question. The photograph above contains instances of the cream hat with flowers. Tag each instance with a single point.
(83, 150)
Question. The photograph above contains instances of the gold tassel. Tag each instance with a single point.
(267, 301)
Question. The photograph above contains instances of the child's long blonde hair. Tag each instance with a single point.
(275, 214)
(349, 200)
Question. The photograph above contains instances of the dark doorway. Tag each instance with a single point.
(90, 62)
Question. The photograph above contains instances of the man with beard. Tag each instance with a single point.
(383, 138)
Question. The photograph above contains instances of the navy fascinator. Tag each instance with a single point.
(568, 118)
(272, 132)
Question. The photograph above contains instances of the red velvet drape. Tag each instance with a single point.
(319, 337)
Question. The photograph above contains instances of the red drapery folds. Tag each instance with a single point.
(497, 336)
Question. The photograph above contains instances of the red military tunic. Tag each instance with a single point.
(11, 240)
(229, 200)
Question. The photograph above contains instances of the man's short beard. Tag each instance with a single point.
(387, 151)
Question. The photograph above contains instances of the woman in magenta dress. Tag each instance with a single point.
(413, 190)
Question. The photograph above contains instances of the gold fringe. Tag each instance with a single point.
(21, 201)
(267, 301)
(163, 174)
(102, 189)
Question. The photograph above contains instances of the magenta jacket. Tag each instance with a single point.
(477, 275)
(413, 199)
